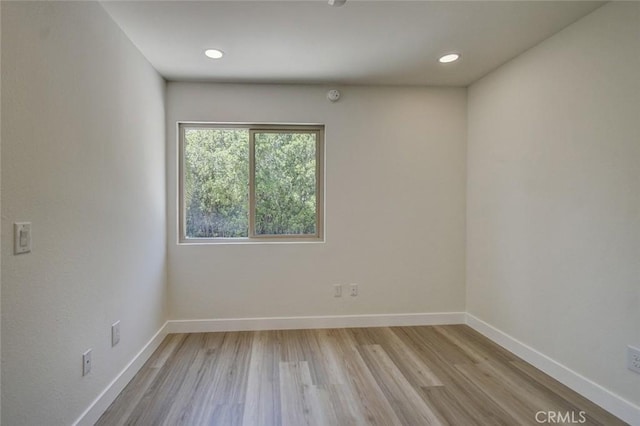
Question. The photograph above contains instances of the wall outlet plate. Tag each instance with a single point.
(86, 362)
(337, 290)
(115, 333)
(633, 359)
(353, 289)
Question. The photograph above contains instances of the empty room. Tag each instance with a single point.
(320, 212)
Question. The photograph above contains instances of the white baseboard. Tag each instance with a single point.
(109, 394)
(611, 402)
(334, 321)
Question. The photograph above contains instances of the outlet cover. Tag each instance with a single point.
(633, 359)
(353, 290)
(115, 333)
(86, 362)
(337, 290)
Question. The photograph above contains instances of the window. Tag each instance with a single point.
(250, 182)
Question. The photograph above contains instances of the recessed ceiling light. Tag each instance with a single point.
(214, 53)
(449, 57)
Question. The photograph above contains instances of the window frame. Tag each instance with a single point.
(253, 128)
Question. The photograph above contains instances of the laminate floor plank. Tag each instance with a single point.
(593, 413)
(130, 397)
(325, 363)
(366, 395)
(188, 391)
(302, 403)
(347, 410)
(516, 402)
(531, 391)
(475, 345)
(408, 405)
(222, 388)
(406, 359)
(387, 376)
(159, 397)
(449, 409)
(262, 402)
(485, 410)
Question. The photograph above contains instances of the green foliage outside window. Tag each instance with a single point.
(216, 177)
(285, 183)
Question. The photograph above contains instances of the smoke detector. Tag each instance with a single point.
(333, 95)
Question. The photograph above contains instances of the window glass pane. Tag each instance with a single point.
(285, 183)
(216, 182)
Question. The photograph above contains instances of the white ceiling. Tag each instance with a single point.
(363, 42)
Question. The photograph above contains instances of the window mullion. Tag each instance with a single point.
(252, 181)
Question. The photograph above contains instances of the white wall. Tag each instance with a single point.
(553, 254)
(83, 160)
(395, 206)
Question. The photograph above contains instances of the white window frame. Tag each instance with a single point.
(254, 128)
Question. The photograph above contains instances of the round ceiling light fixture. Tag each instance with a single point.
(337, 3)
(448, 58)
(214, 53)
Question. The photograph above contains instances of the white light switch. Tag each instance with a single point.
(22, 237)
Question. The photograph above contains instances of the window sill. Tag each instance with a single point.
(250, 241)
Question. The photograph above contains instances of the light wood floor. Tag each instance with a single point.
(413, 376)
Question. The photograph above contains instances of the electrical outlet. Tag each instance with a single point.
(337, 290)
(115, 333)
(633, 359)
(353, 290)
(86, 362)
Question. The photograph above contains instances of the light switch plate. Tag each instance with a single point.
(21, 237)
